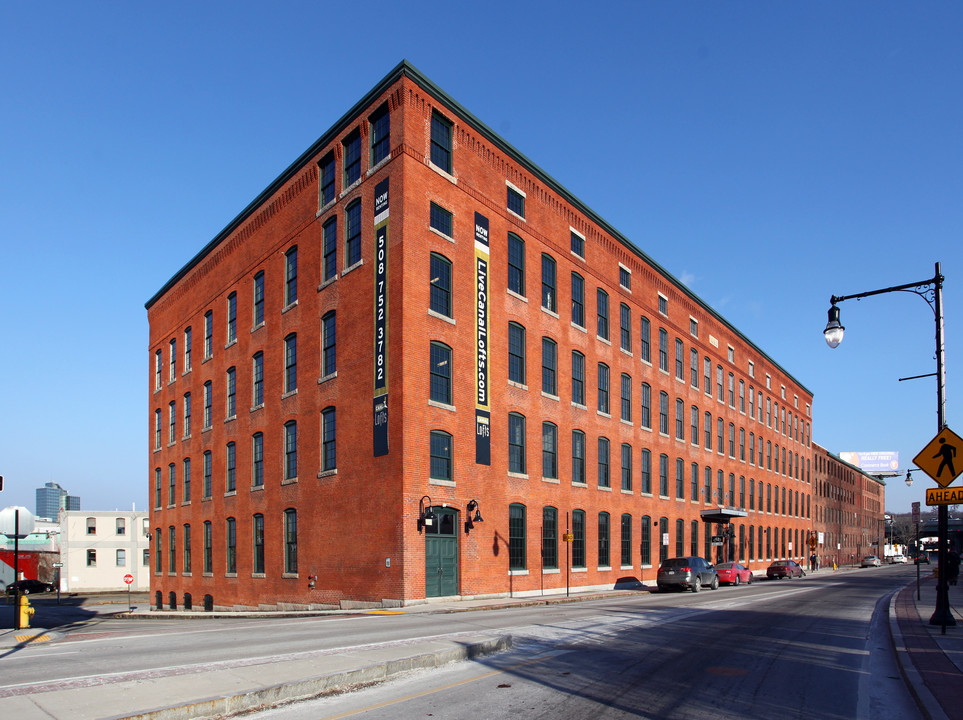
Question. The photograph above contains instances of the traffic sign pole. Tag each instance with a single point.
(128, 578)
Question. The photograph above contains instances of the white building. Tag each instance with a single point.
(98, 548)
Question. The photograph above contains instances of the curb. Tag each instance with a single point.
(311, 688)
(925, 700)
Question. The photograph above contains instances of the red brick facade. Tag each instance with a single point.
(848, 510)
(356, 538)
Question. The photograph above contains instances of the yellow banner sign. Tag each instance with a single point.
(944, 496)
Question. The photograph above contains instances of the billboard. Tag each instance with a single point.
(873, 463)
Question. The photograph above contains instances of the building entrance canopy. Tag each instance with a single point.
(722, 515)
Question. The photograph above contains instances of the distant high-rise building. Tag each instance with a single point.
(52, 498)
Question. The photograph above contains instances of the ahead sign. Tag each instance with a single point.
(944, 496)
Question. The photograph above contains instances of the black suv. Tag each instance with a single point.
(687, 573)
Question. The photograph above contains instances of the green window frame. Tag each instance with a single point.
(517, 537)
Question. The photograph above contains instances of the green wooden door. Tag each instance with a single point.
(441, 554)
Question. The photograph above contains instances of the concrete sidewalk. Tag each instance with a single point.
(932, 664)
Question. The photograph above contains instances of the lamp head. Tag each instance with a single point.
(909, 479)
(834, 329)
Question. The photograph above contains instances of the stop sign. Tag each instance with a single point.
(128, 578)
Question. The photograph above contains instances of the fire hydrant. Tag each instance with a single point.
(26, 611)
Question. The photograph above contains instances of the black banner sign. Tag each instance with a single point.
(380, 406)
(483, 448)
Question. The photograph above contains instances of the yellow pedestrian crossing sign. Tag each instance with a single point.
(942, 458)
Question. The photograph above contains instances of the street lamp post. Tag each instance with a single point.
(916, 522)
(932, 292)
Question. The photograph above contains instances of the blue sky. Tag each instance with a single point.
(767, 154)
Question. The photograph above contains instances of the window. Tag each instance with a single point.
(720, 436)
(694, 425)
(257, 380)
(157, 429)
(440, 455)
(663, 539)
(517, 539)
(208, 400)
(602, 312)
(329, 245)
(664, 413)
(208, 334)
(158, 363)
(578, 244)
(663, 350)
(441, 142)
(664, 475)
(329, 344)
(291, 276)
(707, 375)
(259, 299)
(578, 457)
(679, 537)
(549, 292)
(291, 363)
(187, 350)
(187, 548)
(290, 540)
(439, 385)
(679, 422)
(208, 477)
(645, 541)
(186, 472)
(257, 566)
(752, 402)
(578, 300)
(742, 444)
(625, 277)
(645, 418)
(171, 483)
(578, 378)
(232, 318)
(644, 352)
(720, 389)
(549, 450)
(171, 420)
(329, 455)
(326, 172)
(158, 547)
(516, 264)
(516, 443)
(441, 220)
(290, 450)
(708, 425)
(732, 390)
(694, 482)
(549, 538)
(603, 387)
(549, 363)
(663, 305)
(679, 479)
(604, 558)
(732, 440)
(645, 472)
(694, 368)
(171, 549)
(208, 547)
(439, 291)
(626, 413)
(578, 538)
(92, 525)
(380, 134)
(626, 537)
(231, 392)
(603, 463)
(679, 354)
(231, 478)
(516, 201)
(92, 557)
(625, 325)
(172, 363)
(352, 235)
(257, 460)
(516, 353)
(742, 396)
(707, 488)
(626, 467)
(231, 537)
(752, 448)
(352, 157)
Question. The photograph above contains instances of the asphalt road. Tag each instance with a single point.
(817, 648)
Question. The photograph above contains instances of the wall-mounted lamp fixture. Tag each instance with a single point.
(469, 520)
(426, 518)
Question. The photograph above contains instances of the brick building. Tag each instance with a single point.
(414, 326)
(848, 510)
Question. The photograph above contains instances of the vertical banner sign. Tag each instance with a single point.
(483, 442)
(381, 320)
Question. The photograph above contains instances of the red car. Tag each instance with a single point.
(784, 569)
(734, 573)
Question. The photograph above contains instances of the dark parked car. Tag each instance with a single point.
(687, 573)
(922, 559)
(784, 569)
(734, 573)
(29, 586)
